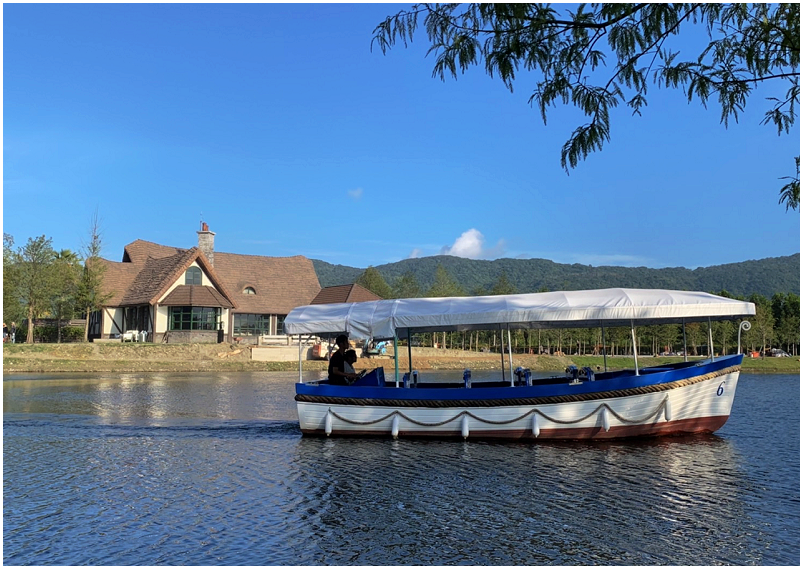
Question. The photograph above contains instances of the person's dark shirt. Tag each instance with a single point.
(337, 361)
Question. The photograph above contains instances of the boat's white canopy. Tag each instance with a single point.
(382, 319)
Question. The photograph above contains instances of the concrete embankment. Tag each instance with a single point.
(132, 357)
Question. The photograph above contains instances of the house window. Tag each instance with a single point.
(193, 318)
(194, 276)
(249, 290)
(251, 324)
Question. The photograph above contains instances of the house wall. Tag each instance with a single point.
(161, 320)
(192, 337)
(161, 326)
(182, 279)
(112, 322)
(112, 316)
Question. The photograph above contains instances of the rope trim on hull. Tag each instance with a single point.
(441, 403)
(674, 428)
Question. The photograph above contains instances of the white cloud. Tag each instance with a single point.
(355, 194)
(470, 245)
(416, 254)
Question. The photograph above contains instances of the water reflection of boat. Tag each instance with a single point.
(679, 398)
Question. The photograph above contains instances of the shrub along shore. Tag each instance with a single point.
(139, 358)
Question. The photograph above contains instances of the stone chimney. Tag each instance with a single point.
(205, 242)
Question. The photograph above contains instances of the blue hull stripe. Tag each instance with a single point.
(626, 380)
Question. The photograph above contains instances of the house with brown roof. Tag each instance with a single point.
(344, 293)
(199, 295)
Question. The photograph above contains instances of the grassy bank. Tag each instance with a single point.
(749, 365)
(131, 358)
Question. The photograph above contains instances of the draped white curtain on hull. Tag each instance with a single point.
(383, 319)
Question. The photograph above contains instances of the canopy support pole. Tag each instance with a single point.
(396, 362)
(710, 342)
(605, 356)
(510, 357)
(409, 355)
(635, 357)
(300, 355)
(685, 352)
(502, 354)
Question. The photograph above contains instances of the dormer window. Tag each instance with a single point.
(249, 290)
(194, 276)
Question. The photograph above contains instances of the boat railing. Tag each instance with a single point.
(523, 378)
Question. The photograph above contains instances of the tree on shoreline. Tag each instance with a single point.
(90, 287)
(65, 274)
(13, 311)
(748, 45)
(34, 278)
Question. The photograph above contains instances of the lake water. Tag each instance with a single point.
(188, 469)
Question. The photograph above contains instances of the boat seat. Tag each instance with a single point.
(411, 380)
(374, 378)
(523, 376)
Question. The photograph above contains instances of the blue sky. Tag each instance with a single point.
(277, 126)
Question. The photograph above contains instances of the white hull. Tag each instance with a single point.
(695, 408)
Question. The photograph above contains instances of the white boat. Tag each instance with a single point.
(680, 398)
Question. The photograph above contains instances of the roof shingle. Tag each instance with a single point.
(196, 295)
(280, 283)
(149, 269)
(344, 293)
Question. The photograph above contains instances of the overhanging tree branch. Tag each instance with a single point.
(749, 44)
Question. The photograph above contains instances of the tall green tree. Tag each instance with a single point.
(444, 284)
(503, 285)
(480, 290)
(763, 323)
(598, 57)
(791, 328)
(90, 288)
(786, 313)
(13, 311)
(371, 279)
(663, 337)
(406, 286)
(724, 336)
(695, 334)
(35, 261)
(64, 278)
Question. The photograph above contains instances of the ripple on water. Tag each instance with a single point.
(193, 489)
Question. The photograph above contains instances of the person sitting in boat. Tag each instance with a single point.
(336, 368)
(350, 359)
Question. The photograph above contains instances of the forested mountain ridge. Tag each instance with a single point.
(765, 276)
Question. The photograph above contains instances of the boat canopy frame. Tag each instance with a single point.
(614, 307)
(390, 319)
